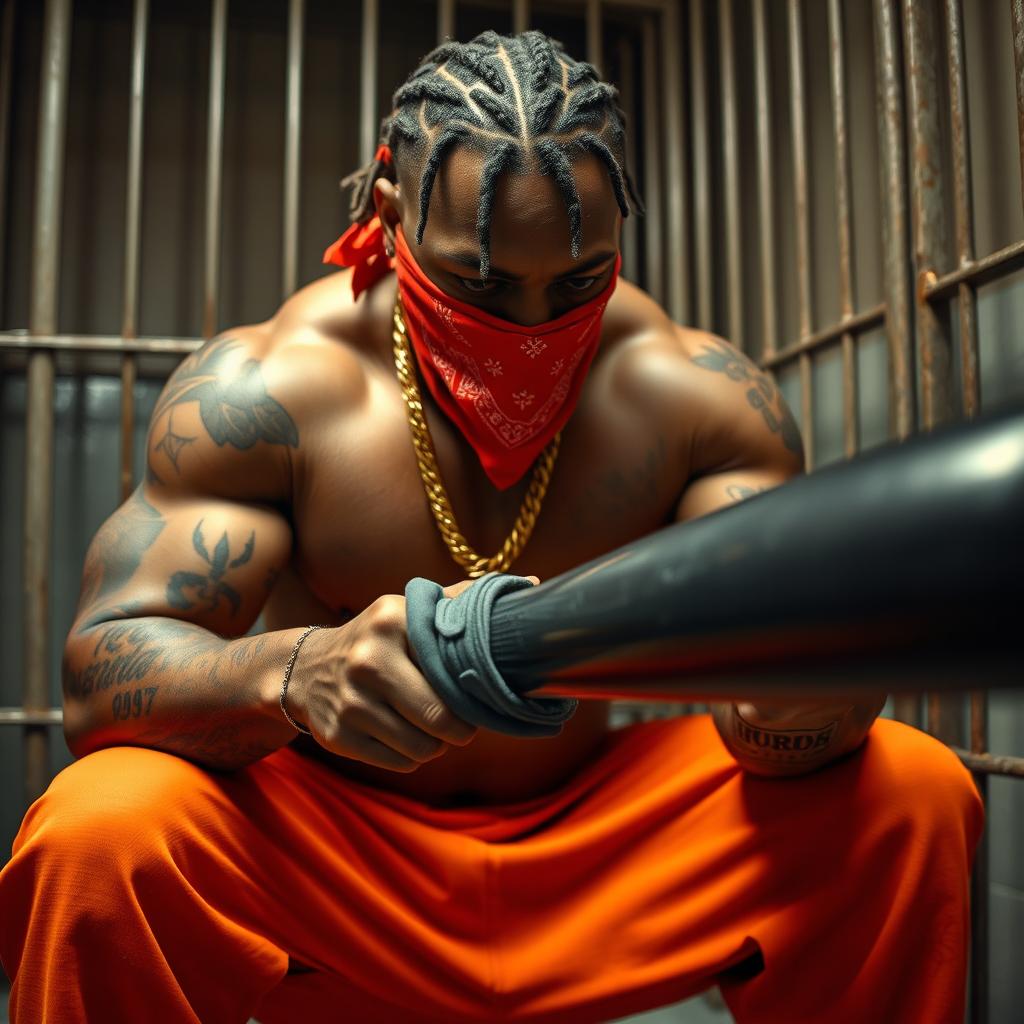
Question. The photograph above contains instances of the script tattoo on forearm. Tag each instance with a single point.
(114, 557)
(762, 393)
(187, 589)
(233, 402)
(132, 651)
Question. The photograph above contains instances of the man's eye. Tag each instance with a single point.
(474, 284)
(579, 284)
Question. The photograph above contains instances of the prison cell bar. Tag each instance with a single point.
(731, 175)
(765, 184)
(133, 200)
(1017, 20)
(674, 132)
(445, 20)
(654, 250)
(292, 142)
(368, 120)
(801, 203)
(627, 100)
(701, 149)
(6, 62)
(53, 99)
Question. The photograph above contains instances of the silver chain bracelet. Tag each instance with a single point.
(288, 675)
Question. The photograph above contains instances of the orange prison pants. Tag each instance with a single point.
(145, 889)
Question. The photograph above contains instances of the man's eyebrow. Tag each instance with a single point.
(471, 259)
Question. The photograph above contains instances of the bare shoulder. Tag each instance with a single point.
(728, 407)
(233, 417)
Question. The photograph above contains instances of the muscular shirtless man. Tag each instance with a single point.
(281, 478)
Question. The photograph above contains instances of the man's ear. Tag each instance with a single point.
(387, 198)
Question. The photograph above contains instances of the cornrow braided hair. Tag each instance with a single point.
(512, 98)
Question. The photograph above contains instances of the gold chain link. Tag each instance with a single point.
(437, 497)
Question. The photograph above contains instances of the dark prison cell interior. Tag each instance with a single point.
(732, 107)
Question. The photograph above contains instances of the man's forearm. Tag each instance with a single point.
(779, 740)
(174, 686)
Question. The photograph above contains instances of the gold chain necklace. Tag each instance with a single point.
(437, 497)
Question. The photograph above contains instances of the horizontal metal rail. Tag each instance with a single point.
(856, 324)
(20, 340)
(977, 272)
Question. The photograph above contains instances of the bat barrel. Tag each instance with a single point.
(902, 569)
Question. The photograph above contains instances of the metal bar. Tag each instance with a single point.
(133, 193)
(627, 99)
(731, 175)
(856, 324)
(21, 716)
(445, 20)
(802, 209)
(292, 142)
(840, 120)
(799, 141)
(654, 241)
(43, 304)
(934, 288)
(701, 171)
(520, 16)
(928, 187)
(990, 764)
(677, 214)
(214, 164)
(966, 306)
(895, 245)
(1017, 14)
(593, 26)
(20, 340)
(368, 126)
(6, 63)
(129, 372)
(765, 182)
(979, 980)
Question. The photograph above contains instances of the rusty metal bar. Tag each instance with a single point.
(930, 247)
(368, 122)
(6, 63)
(895, 246)
(844, 224)
(1017, 15)
(43, 305)
(133, 202)
(895, 220)
(803, 219)
(854, 325)
(292, 143)
(990, 764)
(520, 16)
(592, 18)
(678, 290)
(21, 716)
(701, 147)
(963, 219)
(445, 20)
(978, 272)
(214, 164)
(627, 99)
(129, 372)
(765, 179)
(731, 175)
(23, 341)
(133, 193)
(653, 221)
(982, 764)
(798, 103)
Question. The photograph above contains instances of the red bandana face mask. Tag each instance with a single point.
(508, 388)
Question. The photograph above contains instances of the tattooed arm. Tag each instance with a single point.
(174, 578)
(745, 442)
